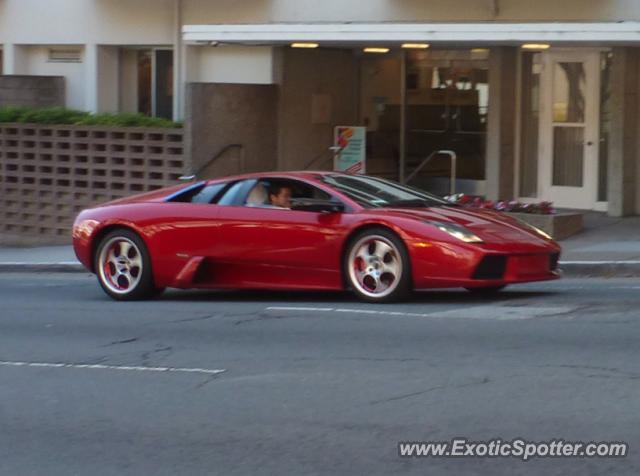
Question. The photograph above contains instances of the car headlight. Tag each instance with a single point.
(535, 229)
(457, 231)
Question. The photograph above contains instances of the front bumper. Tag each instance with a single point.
(446, 265)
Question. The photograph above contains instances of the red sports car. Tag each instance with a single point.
(306, 230)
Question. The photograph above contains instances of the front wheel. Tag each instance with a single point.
(123, 266)
(377, 266)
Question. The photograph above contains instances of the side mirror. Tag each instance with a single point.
(317, 205)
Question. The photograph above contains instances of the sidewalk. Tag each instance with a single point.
(43, 258)
(607, 247)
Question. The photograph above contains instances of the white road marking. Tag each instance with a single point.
(134, 368)
(286, 308)
(495, 312)
(354, 311)
(600, 262)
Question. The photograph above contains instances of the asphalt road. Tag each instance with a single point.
(312, 383)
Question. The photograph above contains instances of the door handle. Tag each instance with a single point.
(589, 143)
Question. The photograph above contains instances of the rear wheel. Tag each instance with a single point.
(377, 266)
(123, 266)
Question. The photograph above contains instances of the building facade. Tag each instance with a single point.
(538, 100)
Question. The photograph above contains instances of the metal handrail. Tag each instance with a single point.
(334, 149)
(454, 158)
(219, 154)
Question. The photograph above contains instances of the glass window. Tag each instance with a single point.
(198, 193)
(447, 108)
(163, 84)
(229, 197)
(569, 85)
(568, 156)
(144, 82)
(371, 192)
(266, 190)
(208, 193)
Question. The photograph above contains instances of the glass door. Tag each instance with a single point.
(569, 129)
(447, 109)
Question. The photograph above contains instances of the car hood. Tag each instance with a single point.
(491, 226)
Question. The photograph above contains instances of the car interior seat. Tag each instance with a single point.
(258, 196)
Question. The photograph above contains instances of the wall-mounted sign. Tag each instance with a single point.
(350, 143)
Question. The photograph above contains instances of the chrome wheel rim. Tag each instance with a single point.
(375, 266)
(120, 265)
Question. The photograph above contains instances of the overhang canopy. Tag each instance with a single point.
(487, 32)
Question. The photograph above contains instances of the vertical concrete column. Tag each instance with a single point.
(108, 78)
(623, 155)
(501, 130)
(91, 75)
(13, 59)
(179, 71)
(278, 78)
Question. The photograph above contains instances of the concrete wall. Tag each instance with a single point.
(115, 22)
(108, 78)
(36, 62)
(501, 134)
(151, 22)
(30, 91)
(623, 157)
(50, 173)
(128, 80)
(263, 11)
(231, 64)
(221, 114)
(318, 91)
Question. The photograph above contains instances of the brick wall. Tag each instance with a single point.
(32, 91)
(49, 173)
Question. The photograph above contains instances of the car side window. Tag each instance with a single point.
(235, 194)
(279, 193)
(209, 193)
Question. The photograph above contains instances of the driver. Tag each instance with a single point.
(280, 196)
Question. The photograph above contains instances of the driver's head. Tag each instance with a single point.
(280, 196)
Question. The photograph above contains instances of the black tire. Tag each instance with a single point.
(396, 254)
(137, 283)
(487, 290)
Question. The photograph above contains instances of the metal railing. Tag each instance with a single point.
(454, 158)
(220, 153)
(334, 149)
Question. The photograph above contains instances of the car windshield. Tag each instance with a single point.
(372, 192)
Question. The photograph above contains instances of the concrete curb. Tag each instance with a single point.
(570, 269)
(59, 267)
(600, 269)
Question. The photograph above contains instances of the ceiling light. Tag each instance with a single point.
(416, 46)
(304, 45)
(536, 46)
(376, 50)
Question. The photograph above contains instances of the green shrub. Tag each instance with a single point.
(12, 114)
(58, 115)
(54, 115)
(124, 119)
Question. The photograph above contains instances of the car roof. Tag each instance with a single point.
(304, 175)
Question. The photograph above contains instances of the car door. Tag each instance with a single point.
(275, 247)
(188, 229)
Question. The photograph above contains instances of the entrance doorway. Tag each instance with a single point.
(560, 146)
(416, 102)
(569, 128)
